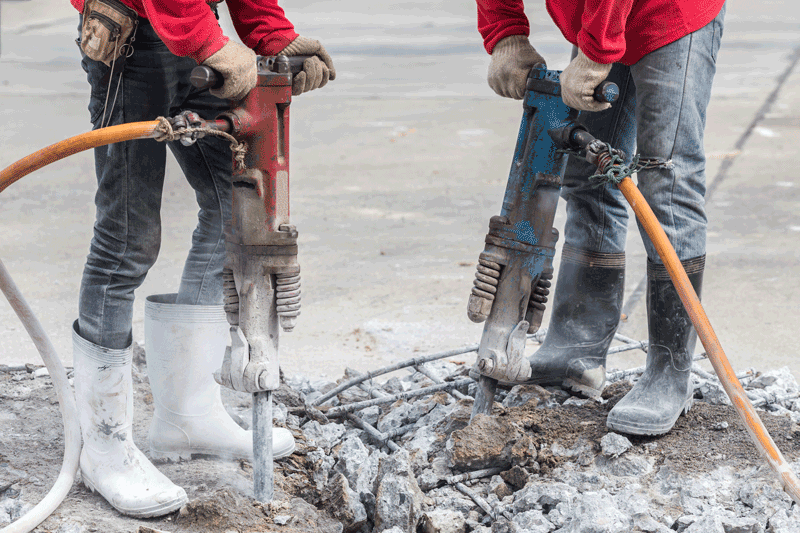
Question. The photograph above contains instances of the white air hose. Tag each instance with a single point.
(66, 402)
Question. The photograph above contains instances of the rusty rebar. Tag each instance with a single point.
(349, 408)
(466, 476)
(436, 379)
(382, 438)
(480, 502)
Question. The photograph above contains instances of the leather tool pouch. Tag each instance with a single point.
(107, 27)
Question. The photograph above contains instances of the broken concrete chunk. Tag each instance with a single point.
(352, 456)
(597, 512)
(614, 444)
(403, 413)
(625, 466)
(367, 474)
(420, 447)
(322, 465)
(520, 395)
(785, 521)
(394, 385)
(543, 496)
(370, 415)
(713, 393)
(533, 521)
(442, 521)
(345, 504)
(326, 436)
(489, 442)
(398, 499)
(516, 477)
(706, 524)
(781, 378)
(499, 487)
(11, 509)
(503, 525)
(437, 471)
(764, 499)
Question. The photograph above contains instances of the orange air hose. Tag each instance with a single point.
(755, 427)
(73, 145)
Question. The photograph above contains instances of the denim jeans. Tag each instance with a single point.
(661, 113)
(130, 179)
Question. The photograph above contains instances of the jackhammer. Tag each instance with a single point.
(514, 270)
(261, 280)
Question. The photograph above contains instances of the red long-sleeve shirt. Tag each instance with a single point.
(189, 27)
(607, 31)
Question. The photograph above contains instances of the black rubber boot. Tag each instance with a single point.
(664, 392)
(586, 312)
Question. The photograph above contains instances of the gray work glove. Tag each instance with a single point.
(317, 70)
(512, 60)
(580, 79)
(237, 64)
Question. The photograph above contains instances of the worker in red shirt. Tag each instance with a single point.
(662, 54)
(138, 55)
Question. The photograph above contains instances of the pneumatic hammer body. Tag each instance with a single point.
(516, 266)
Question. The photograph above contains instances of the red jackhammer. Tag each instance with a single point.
(262, 276)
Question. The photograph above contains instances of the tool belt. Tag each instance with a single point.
(107, 27)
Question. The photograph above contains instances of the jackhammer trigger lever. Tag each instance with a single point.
(283, 64)
(204, 77)
(608, 91)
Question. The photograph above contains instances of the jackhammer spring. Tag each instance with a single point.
(484, 288)
(541, 290)
(536, 304)
(288, 298)
(230, 297)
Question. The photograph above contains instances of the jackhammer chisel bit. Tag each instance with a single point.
(261, 281)
(514, 270)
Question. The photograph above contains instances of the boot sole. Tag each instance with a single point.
(631, 428)
(565, 383)
(581, 388)
(175, 456)
(146, 512)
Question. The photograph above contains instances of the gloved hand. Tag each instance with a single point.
(512, 60)
(580, 79)
(317, 70)
(237, 64)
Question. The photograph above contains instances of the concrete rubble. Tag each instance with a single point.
(601, 486)
(511, 472)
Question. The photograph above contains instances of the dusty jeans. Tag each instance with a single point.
(661, 113)
(130, 178)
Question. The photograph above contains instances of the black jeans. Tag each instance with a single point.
(130, 177)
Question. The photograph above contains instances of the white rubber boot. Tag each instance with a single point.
(111, 464)
(184, 345)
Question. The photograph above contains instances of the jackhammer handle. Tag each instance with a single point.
(204, 77)
(608, 91)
